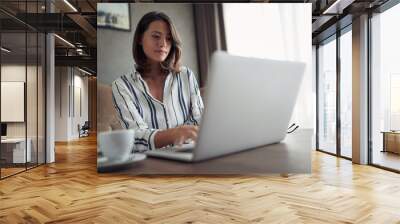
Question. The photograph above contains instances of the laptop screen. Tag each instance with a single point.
(3, 129)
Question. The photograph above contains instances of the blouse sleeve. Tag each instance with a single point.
(130, 118)
(196, 103)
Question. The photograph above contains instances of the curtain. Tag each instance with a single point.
(210, 33)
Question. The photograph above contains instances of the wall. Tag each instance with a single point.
(69, 81)
(61, 103)
(114, 52)
(14, 72)
(17, 72)
(79, 117)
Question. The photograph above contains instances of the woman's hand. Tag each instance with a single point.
(184, 133)
(176, 136)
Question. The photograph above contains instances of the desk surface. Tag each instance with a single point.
(391, 132)
(293, 155)
(13, 140)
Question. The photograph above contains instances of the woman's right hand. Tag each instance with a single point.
(184, 133)
(176, 136)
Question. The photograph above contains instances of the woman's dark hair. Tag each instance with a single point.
(172, 62)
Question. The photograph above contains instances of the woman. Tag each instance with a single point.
(160, 100)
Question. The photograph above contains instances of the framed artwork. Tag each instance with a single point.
(114, 16)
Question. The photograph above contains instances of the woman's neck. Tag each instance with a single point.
(154, 71)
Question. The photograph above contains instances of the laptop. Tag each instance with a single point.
(248, 103)
(3, 131)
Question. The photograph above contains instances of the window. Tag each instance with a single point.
(385, 85)
(275, 31)
(327, 96)
(394, 102)
(346, 93)
(22, 65)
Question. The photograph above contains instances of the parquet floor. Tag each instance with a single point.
(71, 191)
(9, 171)
(387, 159)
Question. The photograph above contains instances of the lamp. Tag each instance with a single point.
(64, 40)
(5, 50)
(71, 6)
(337, 7)
(84, 71)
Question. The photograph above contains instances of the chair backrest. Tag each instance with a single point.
(86, 125)
(106, 115)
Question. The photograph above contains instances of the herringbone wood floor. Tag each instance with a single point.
(71, 191)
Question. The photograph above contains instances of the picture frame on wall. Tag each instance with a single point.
(114, 16)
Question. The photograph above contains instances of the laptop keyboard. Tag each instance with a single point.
(182, 148)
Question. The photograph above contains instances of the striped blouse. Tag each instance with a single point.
(138, 110)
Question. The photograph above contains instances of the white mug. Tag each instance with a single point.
(117, 145)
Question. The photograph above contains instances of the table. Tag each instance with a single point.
(15, 148)
(391, 141)
(293, 155)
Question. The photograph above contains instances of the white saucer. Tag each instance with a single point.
(104, 162)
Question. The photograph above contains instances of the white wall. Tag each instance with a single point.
(69, 79)
(15, 72)
(77, 117)
(61, 103)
